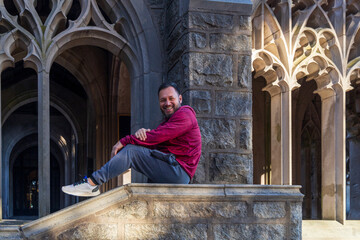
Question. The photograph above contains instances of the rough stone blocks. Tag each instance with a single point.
(158, 211)
(210, 70)
(230, 168)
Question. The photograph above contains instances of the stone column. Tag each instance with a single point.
(4, 63)
(333, 154)
(275, 119)
(44, 142)
(340, 150)
(328, 155)
(280, 135)
(286, 139)
(209, 51)
(1, 167)
(354, 154)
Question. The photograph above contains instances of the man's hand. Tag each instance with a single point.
(116, 148)
(141, 134)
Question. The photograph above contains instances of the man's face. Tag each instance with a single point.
(170, 101)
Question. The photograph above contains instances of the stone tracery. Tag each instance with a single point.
(313, 40)
(41, 32)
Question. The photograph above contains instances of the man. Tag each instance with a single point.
(168, 154)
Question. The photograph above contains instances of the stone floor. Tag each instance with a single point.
(330, 230)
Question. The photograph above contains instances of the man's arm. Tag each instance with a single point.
(177, 125)
(116, 148)
(141, 133)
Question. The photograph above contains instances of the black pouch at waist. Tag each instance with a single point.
(166, 157)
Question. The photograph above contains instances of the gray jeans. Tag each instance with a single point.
(156, 166)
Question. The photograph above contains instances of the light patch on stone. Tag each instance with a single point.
(296, 213)
(232, 231)
(269, 231)
(200, 210)
(210, 69)
(90, 231)
(200, 174)
(226, 42)
(198, 40)
(244, 72)
(233, 104)
(165, 231)
(269, 209)
(201, 101)
(230, 168)
(244, 23)
(132, 210)
(218, 133)
(210, 21)
(245, 135)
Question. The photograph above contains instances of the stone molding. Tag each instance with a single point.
(242, 7)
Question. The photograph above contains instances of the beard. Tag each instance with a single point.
(167, 114)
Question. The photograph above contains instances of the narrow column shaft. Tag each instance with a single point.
(281, 138)
(44, 143)
(276, 156)
(1, 167)
(328, 158)
(286, 137)
(340, 164)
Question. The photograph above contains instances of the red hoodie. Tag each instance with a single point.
(179, 135)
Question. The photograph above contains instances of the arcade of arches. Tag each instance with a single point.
(306, 102)
(69, 72)
(82, 73)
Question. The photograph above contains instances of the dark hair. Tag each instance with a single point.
(169, 84)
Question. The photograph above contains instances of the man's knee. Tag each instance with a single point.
(132, 150)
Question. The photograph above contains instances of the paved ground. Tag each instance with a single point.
(330, 230)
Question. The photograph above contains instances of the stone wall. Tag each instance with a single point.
(208, 47)
(159, 211)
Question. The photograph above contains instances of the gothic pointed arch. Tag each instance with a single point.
(320, 41)
(88, 44)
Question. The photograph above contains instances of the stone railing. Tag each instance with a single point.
(163, 211)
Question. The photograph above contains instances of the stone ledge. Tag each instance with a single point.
(159, 207)
(211, 190)
(242, 7)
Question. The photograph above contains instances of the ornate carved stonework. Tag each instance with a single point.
(303, 40)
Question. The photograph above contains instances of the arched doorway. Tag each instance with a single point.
(307, 146)
(353, 153)
(92, 49)
(20, 160)
(25, 184)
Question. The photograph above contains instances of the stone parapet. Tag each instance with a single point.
(164, 211)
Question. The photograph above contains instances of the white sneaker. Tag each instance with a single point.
(81, 189)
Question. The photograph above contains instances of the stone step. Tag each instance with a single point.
(10, 232)
(330, 230)
(11, 228)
